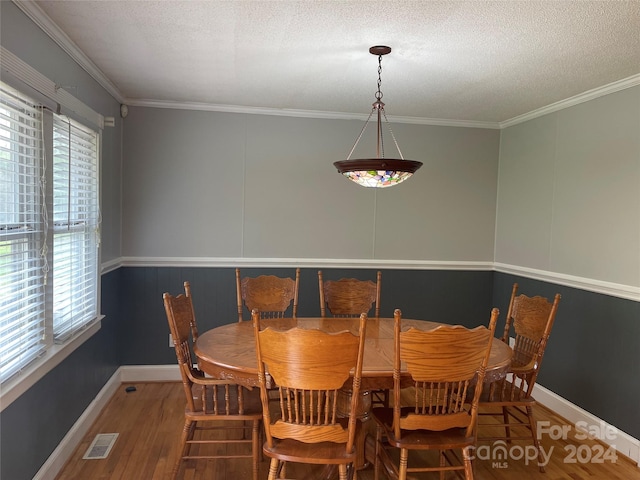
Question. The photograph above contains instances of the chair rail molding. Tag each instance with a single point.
(629, 292)
(246, 262)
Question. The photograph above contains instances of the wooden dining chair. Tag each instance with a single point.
(308, 367)
(530, 320)
(349, 297)
(220, 404)
(447, 366)
(268, 294)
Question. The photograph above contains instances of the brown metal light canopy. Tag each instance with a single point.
(378, 172)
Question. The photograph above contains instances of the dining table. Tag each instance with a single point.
(228, 352)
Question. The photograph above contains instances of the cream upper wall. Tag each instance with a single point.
(224, 185)
(569, 191)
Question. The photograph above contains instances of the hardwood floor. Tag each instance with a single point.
(149, 422)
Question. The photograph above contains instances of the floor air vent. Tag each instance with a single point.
(101, 446)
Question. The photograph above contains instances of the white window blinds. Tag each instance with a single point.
(49, 229)
(75, 227)
(22, 295)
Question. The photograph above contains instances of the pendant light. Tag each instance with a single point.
(379, 172)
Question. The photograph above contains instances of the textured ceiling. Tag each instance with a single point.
(467, 61)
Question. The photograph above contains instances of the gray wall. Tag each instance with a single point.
(207, 184)
(569, 191)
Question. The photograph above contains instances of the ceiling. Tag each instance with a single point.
(465, 62)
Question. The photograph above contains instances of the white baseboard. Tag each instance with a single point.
(624, 443)
(150, 373)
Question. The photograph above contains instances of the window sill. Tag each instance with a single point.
(28, 377)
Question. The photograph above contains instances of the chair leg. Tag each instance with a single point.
(376, 459)
(442, 463)
(505, 418)
(404, 460)
(176, 469)
(187, 435)
(468, 467)
(282, 470)
(536, 442)
(342, 471)
(255, 447)
(273, 469)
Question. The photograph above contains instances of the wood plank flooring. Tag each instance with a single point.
(149, 422)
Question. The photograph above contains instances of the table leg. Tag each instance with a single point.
(367, 425)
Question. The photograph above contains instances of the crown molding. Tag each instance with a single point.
(285, 112)
(42, 20)
(592, 94)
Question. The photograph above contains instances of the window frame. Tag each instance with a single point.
(55, 352)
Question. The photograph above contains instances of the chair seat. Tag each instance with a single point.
(322, 453)
(421, 439)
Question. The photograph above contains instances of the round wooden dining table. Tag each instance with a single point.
(228, 352)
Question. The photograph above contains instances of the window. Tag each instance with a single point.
(75, 226)
(49, 221)
(22, 299)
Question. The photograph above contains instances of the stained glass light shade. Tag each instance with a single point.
(377, 172)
